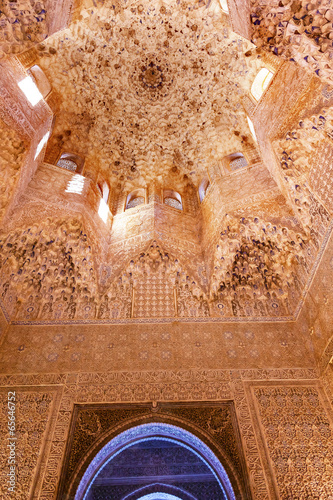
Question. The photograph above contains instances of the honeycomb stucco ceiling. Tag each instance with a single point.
(150, 85)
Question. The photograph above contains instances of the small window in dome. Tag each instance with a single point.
(134, 202)
(67, 164)
(204, 185)
(172, 199)
(224, 6)
(135, 199)
(172, 202)
(41, 144)
(71, 162)
(104, 190)
(76, 184)
(261, 82)
(235, 162)
(238, 163)
(40, 80)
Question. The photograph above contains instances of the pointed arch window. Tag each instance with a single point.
(104, 190)
(203, 188)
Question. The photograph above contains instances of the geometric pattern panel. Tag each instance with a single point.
(321, 177)
(299, 441)
(24, 422)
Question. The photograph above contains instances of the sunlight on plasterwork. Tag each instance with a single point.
(30, 90)
(103, 210)
(252, 130)
(41, 144)
(76, 184)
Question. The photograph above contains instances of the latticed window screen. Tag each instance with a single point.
(139, 200)
(238, 163)
(172, 202)
(67, 164)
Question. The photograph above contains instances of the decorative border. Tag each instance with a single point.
(223, 377)
(172, 319)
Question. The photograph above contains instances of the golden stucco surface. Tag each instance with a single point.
(184, 259)
(152, 98)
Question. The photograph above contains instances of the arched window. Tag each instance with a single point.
(261, 82)
(224, 6)
(204, 185)
(144, 440)
(135, 198)
(104, 190)
(173, 199)
(35, 85)
(71, 162)
(234, 162)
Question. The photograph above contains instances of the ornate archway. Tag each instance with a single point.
(155, 431)
(110, 433)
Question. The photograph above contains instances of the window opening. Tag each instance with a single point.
(251, 126)
(40, 79)
(103, 210)
(67, 164)
(173, 199)
(135, 199)
(235, 162)
(261, 82)
(30, 90)
(105, 192)
(71, 162)
(224, 6)
(76, 184)
(203, 188)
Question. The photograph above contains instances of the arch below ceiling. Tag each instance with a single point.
(154, 430)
